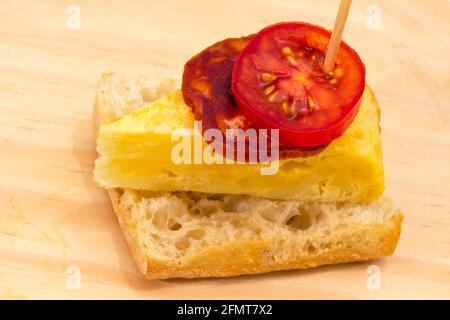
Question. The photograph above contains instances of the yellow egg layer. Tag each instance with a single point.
(136, 152)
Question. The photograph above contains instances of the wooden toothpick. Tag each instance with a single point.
(336, 36)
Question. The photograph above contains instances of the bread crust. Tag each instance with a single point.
(357, 242)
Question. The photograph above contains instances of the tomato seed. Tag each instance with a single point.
(333, 81)
(286, 51)
(288, 110)
(339, 73)
(267, 77)
(269, 90)
(273, 97)
(311, 103)
(292, 61)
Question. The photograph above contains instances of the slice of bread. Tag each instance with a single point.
(189, 235)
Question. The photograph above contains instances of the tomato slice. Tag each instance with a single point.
(278, 82)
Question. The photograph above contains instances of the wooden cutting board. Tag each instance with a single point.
(57, 226)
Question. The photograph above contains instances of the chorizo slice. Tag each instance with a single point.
(206, 89)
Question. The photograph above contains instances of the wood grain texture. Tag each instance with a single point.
(53, 216)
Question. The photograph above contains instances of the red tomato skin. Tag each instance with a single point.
(301, 138)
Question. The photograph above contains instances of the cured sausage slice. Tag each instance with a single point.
(207, 90)
(207, 85)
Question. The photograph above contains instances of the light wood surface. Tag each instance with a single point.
(53, 216)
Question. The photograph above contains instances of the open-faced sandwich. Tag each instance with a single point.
(261, 162)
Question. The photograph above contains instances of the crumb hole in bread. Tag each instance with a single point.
(156, 237)
(228, 206)
(147, 194)
(218, 197)
(233, 204)
(209, 210)
(196, 234)
(175, 226)
(311, 249)
(257, 230)
(340, 205)
(206, 207)
(269, 215)
(236, 222)
(317, 217)
(268, 255)
(195, 196)
(302, 221)
(184, 197)
(182, 244)
(159, 219)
